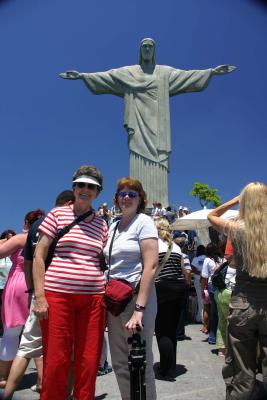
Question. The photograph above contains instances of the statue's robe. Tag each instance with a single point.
(147, 116)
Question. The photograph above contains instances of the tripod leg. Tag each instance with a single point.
(142, 384)
(134, 379)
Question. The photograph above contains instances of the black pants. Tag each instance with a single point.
(166, 324)
(183, 318)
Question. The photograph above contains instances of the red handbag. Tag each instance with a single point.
(118, 294)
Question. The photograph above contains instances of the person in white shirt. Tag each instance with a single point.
(197, 265)
(211, 262)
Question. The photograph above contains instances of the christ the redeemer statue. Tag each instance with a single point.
(146, 88)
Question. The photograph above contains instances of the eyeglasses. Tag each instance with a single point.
(131, 195)
(89, 186)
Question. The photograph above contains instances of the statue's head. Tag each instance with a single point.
(147, 51)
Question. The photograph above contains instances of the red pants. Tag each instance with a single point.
(75, 322)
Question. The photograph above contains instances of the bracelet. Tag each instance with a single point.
(30, 291)
(139, 308)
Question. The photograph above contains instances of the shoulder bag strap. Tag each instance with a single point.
(220, 267)
(164, 260)
(77, 220)
(110, 248)
(61, 233)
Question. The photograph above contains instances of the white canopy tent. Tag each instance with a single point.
(198, 221)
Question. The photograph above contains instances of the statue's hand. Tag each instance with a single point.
(223, 69)
(70, 75)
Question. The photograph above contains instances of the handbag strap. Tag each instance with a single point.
(110, 249)
(60, 234)
(164, 260)
(67, 228)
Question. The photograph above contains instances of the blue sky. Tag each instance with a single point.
(49, 126)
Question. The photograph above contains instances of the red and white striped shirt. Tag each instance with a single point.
(75, 265)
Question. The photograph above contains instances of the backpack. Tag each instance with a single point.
(218, 278)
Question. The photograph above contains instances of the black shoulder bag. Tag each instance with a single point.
(218, 278)
(60, 234)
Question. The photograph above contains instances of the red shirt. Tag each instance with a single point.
(228, 248)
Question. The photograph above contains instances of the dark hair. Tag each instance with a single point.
(64, 197)
(201, 251)
(213, 251)
(92, 171)
(7, 232)
(32, 216)
(133, 184)
(222, 246)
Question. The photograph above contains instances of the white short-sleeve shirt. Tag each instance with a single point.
(198, 262)
(126, 258)
(208, 269)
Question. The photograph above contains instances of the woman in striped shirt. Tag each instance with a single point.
(69, 294)
(171, 296)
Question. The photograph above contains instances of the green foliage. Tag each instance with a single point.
(205, 194)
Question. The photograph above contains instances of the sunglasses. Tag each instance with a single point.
(82, 185)
(131, 195)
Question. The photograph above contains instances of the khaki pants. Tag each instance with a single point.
(247, 327)
(119, 348)
(31, 338)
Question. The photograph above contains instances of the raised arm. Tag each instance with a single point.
(8, 247)
(220, 224)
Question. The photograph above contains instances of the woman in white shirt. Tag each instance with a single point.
(134, 258)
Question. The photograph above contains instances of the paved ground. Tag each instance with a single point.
(198, 369)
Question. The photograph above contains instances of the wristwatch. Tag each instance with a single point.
(139, 308)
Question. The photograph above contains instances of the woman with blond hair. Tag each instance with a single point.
(248, 307)
(171, 298)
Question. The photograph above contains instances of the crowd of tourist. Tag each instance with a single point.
(54, 308)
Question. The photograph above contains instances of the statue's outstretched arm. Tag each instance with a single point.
(223, 69)
(98, 82)
(71, 75)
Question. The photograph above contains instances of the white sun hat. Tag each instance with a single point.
(87, 179)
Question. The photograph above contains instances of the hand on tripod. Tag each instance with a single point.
(135, 323)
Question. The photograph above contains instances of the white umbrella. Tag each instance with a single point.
(198, 221)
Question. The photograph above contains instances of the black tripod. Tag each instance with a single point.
(137, 367)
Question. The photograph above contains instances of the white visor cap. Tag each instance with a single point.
(87, 179)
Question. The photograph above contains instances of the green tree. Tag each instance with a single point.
(205, 194)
